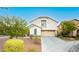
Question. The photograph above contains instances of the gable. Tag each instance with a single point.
(50, 24)
(43, 17)
(38, 20)
(32, 25)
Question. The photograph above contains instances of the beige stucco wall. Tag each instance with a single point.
(38, 30)
(51, 25)
(75, 31)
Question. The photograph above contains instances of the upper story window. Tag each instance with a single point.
(43, 23)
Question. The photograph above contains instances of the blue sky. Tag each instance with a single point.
(29, 13)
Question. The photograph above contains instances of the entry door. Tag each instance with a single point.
(35, 31)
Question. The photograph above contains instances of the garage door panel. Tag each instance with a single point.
(48, 33)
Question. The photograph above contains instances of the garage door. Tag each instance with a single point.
(48, 33)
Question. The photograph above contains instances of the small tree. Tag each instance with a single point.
(67, 27)
(13, 26)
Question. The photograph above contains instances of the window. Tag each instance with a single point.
(43, 23)
(35, 31)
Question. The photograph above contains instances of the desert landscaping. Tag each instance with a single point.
(30, 45)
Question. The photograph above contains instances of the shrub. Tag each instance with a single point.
(67, 27)
(14, 45)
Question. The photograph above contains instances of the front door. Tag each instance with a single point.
(35, 31)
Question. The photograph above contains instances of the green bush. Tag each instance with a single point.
(14, 45)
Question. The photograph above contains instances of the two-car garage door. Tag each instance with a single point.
(48, 33)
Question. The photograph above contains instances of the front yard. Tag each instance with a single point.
(30, 45)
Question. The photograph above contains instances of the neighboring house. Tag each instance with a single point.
(75, 32)
(43, 26)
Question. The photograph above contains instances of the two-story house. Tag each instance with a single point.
(43, 26)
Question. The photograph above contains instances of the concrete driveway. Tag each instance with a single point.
(54, 44)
